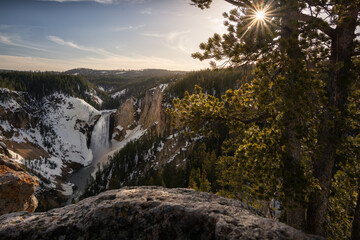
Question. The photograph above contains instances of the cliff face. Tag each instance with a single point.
(154, 146)
(124, 118)
(49, 135)
(148, 213)
(152, 112)
(17, 188)
(145, 112)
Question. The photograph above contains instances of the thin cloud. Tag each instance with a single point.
(155, 35)
(174, 40)
(171, 36)
(147, 11)
(62, 42)
(4, 26)
(18, 42)
(217, 24)
(127, 28)
(98, 1)
(174, 35)
(172, 13)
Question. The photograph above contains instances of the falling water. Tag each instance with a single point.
(100, 144)
(100, 136)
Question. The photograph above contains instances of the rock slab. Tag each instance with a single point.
(147, 213)
(17, 188)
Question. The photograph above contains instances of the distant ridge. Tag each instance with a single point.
(123, 72)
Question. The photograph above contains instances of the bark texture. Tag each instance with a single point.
(333, 118)
(355, 231)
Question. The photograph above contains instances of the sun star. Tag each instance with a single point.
(260, 15)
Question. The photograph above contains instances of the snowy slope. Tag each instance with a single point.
(119, 94)
(94, 97)
(69, 143)
(57, 132)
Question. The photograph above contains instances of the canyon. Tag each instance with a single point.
(64, 140)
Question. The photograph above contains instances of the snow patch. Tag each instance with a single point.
(163, 87)
(173, 157)
(69, 143)
(10, 104)
(5, 125)
(94, 97)
(17, 157)
(119, 94)
(160, 148)
(67, 188)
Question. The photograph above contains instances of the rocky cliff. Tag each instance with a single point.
(50, 135)
(17, 188)
(153, 145)
(148, 213)
(145, 111)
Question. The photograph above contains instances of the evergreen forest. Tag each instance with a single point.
(293, 130)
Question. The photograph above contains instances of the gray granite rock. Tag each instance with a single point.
(147, 213)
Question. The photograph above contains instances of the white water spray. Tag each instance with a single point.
(99, 145)
(100, 135)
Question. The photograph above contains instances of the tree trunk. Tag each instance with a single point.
(355, 231)
(293, 175)
(323, 168)
(332, 127)
(293, 65)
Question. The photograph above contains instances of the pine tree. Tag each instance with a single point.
(291, 120)
(204, 185)
(194, 178)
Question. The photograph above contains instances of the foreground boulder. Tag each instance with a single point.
(147, 213)
(17, 188)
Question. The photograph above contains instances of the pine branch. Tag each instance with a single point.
(243, 3)
(260, 118)
(318, 22)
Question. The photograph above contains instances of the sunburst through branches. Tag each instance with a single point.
(259, 16)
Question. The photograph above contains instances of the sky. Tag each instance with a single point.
(58, 35)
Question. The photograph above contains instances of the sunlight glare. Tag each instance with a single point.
(260, 15)
(260, 18)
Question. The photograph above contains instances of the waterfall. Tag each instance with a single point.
(99, 145)
(100, 135)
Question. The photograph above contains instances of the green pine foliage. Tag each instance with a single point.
(292, 131)
(126, 167)
(129, 167)
(133, 86)
(40, 84)
(215, 82)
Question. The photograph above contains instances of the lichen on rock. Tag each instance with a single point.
(17, 188)
(148, 213)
